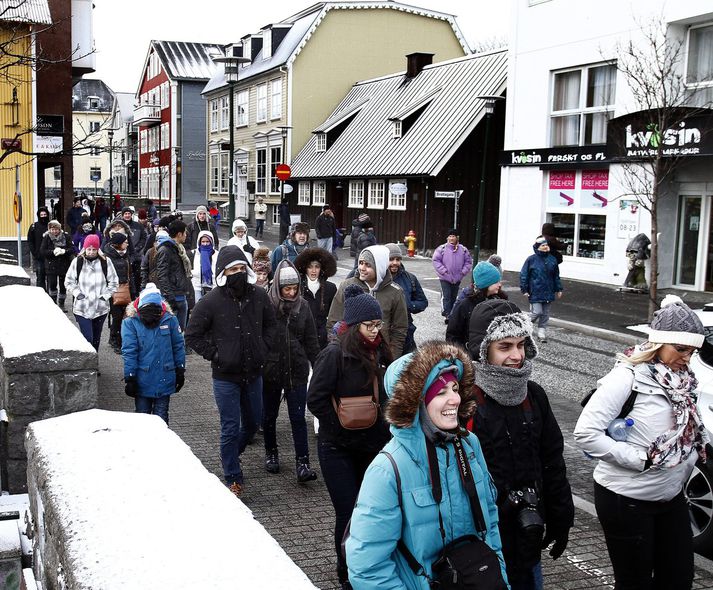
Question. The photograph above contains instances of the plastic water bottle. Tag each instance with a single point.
(619, 429)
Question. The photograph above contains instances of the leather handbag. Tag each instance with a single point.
(358, 412)
(121, 296)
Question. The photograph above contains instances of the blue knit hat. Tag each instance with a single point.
(359, 306)
(485, 274)
(150, 295)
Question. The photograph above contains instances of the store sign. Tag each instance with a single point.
(561, 191)
(628, 223)
(49, 125)
(564, 156)
(398, 188)
(48, 144)
(595, 188)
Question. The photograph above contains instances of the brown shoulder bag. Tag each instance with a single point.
(358, 412)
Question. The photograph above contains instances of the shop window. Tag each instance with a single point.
(699, 62)
(582, 104)
(397, 195)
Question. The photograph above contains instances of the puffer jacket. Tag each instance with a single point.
(287, 250)
(91, 282)
(56, 265)
(452, 265)
(540, 277)
(378, 522)
(172, 278)
(152, 355)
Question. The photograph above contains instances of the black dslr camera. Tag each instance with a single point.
(524, 502)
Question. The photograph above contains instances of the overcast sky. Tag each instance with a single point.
(123, 28)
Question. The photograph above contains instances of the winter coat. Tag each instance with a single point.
(540, 277)
(365, 239)
(122, 264)
(91, 282)
(324, 226)
(288, 249)
(56, 265)
(378, 522)
(319, 305)
(148, 268)
(416, 300)
(241, 332)
(247, 243)
(74, 218)
(127, 230)
(35, 234)
(196, 227)
(172, 278)
(152, 355)
(534, 460)
(621, 464)
(196, 272)
(138, 238)
(79, 237)
(260, 211)
(458, 328)
(338, 374)
(452, 265)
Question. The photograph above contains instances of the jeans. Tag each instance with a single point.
(40, 273)
(158, 406)
(237, 405)
(181, 312)
(449, 293)
(259, 227)
(296, 399)
(343, 471)
(650, 544)
(540, 312)
(325, 243)
(534, 583)
(91, 329)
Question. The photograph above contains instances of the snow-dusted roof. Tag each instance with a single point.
(446, 91)
(86, 88)
(187, 61)
(27, 11)
(123, 107)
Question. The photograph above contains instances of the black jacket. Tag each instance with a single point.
(525, 448)
(56, 265)
(137, 238)
(324, 226)
(458, 328)
(336, 374)
(195, 227)
(295, 348)
(319, 306)
(239, 331)
(34, 238)
(172, 278)
(122, 264)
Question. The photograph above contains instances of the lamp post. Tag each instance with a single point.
(231, 63)
(110, 133)
(489, 110)
(283, 131)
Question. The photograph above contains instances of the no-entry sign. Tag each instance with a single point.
(283, 172)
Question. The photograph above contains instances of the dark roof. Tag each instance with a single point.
(187, 61)
(86, 88)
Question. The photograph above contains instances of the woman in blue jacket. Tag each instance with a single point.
(153, 351)
(431, 394)
(540, 282)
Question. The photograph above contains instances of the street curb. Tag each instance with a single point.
(597, 332)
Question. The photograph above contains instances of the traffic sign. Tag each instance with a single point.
(288, 189)
(17, 207)
(283, 172)
(445, 194)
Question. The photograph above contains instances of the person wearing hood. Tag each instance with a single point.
(242, 240)
(296, 242)
(452, 261)
(202, 222)
(375, 279)
(92, 280)
(57, 252)
(315, 266)
(84, 230)
(352, 365)
(204, 259)
(639, 481)
(521, 441)
(549, 232)
(287, 369)
(540, 282)
(116, 251)
(153, 352)
(173, 269)
(233, 327)
(400, 507)
(34, 240)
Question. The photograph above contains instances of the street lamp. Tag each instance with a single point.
(231, 64)
(489, 110)
(110, 133)
(283, 131)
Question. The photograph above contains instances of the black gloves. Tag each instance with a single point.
(560, 539)
(180, 378)
(132, 386)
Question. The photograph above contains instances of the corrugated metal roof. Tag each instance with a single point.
(187, 61)
(366, 148)
(27, 11)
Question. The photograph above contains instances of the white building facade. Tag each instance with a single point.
(563, 89)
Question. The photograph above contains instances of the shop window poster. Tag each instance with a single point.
(628, 222)
(561, 191)
(595, 189)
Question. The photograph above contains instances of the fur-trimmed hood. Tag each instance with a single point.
(129, 233)
(406, 377)
(133, 309)
(328, 265)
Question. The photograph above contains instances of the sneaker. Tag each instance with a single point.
(236, 489)
(541, 334)
(272, 462)
(304, 472)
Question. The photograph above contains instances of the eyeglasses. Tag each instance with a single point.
(371, 326)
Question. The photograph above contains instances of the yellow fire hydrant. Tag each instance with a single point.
(410, 242)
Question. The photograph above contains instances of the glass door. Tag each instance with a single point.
(688, 236)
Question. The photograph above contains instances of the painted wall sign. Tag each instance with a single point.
(196, 156)
(561, 188)
(49, 125)
(555, 156)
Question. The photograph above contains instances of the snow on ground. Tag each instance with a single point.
(13, 270)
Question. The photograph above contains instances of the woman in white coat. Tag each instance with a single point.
(242, 240)
(204, 257)
(638, 482)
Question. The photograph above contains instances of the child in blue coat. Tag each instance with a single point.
(540, 281)
(153, 351)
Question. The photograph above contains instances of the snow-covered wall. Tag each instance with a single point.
(120, 502)
(11, 274)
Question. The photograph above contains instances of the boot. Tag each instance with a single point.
(304, 471)
(60, 302)
(272, 462)
(542, 334)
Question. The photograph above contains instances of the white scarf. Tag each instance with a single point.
(313, 286)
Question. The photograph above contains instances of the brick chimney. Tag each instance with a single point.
(415, 62)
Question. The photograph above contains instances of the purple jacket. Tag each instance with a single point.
(452, 265)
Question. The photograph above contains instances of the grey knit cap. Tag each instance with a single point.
(496, 319)
(288, 276)
(394, 250)
(367, 257)
(675, 323)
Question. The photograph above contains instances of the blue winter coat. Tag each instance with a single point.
(540, 277)
(287, 250)
(152, 354)
(378, 522)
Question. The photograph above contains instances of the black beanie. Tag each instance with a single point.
(359, 306)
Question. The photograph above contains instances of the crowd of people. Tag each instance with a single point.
(443, 460)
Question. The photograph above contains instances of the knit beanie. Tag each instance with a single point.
(485, 274)
(497, 262)
(201, 209)
(150, 295)
(367, 257)
(496, 319)
(359, 307)
(143, 214)
(54, 223)
(288, 276)
(117, 239)
(675, 323)
(394, 250)
(125, 209)
(91, 241)
(442, 380)
(453, 232)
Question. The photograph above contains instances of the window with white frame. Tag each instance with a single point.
(376, 194)
(143, 141)
(94, 126)
(261, 114)
(319, 192)
(276, 98)
(303, 193)
(214, 115)
(144, 182)
(275, 215)
(154, 68)
(321, 142)
(224, 112)
(224, 172)
(165, 136)
(164, 95)
(582, 104)
(275, 159)
(165, 183)
(396, 129)
(243, 104)
(397, 194)
(214, 172)
(699, 57)
(356, 194)
(261, 171)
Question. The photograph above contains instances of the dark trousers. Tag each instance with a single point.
(449, 293)
(117, 315)
(91, 329)
(343, 471)
(40, 273)
(136, 277)
(296, 400)
(55, 282)
(650, 544)
(259, 227)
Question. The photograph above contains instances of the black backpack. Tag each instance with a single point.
(102, 261)
(625, 409)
